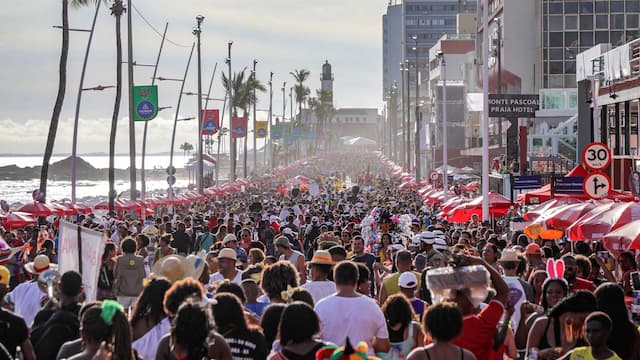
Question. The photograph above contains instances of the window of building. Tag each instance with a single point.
(586, 38)
(632, 21)
(602, 21)
(602, 7)
(586, 7)
(555, 67)
(571, 7)
(632, 35)
(571, 22)
(617, 22)
(556, 39)
(556, 54)
(586, 22)
(617, 6)
(555, 23)
(602, 37)
(570, 67)
(617, 38)
(633, 6)
(555, 8)
(570, 39)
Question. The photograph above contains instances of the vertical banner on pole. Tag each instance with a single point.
(262, 129)
(210, 121)
(239, 127)
(276, 132)
(145, 102)
(69, 255)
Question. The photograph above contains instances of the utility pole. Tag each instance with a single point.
(284, 111)
(132, 124)
(403, 123)
(232, 143)
(445, 155)
(417, 138)
(255, 133)
(485, 114)
(270, 121)
(408, 126)
(200, 176)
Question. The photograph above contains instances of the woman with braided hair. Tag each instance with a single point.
(190, 331)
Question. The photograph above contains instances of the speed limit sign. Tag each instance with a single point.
(597, 185)
(596, 156)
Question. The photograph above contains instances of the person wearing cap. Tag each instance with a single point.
(128, 273)
(428, 239)
(27, 297)
(231, 241)
(320, 286)
(227, 260)
(390, 283)
(295, 257)
(509, 262)
(408, 283)
(534, 254)
(14, 331)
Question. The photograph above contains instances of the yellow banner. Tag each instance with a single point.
(261, 129)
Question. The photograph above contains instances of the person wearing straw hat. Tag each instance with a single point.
(177, 267)
(27, 298)
(227, 260)
(14, 332)
(320, 286)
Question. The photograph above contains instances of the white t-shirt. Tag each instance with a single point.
(359, 318)
(27, 300)
(320, 289)
(218, 277)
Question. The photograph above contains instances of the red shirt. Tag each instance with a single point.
(478, 330)
(582, 284)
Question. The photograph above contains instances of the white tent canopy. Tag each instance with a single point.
(360, 141)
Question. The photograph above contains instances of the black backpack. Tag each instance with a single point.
(48, 336)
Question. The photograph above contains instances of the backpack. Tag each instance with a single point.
(48, 336)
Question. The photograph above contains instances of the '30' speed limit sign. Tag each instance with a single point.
(596, 156)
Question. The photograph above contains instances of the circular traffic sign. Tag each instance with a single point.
(596, 156)
(171, 170)
(597, 185)
(433, 175)
(146, 109)
(171, 180)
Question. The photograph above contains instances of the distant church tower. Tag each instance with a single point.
(327, 79)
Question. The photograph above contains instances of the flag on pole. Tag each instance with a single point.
(261, 129)
(276, 132)
(239, 126)
(210, 121)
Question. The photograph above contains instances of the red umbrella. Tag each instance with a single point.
(80, 208)
(624, 238)
(64, 209)
(472, 186)
(38, 209)
(594, 225)
(498, 206)
(452, 203)
(409, 185)
(546, 207)
(16, 220)
(565, 215)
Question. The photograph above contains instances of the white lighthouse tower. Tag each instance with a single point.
(326, 80)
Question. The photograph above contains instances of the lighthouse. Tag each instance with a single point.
(326, 80)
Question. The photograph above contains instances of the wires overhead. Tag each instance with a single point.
(156, 30)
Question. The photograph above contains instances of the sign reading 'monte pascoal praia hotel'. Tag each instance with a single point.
(513, 105)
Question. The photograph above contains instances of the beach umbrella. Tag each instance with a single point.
(548, 206)
(596, 225)
(499, 206)
(411, 184)
(38, 209)
(624, 238)
(17, 220)
(64, 209)
(80, 208)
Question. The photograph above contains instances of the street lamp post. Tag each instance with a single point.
(407, 135)
(403, 123)
(291, 126)
(445, 169)
(498, 54)
(284, 110)
(417, 137)
(255, 141)
(200, 175)
(270, 122)
(485, 112)
(232, 144)
(132, 124)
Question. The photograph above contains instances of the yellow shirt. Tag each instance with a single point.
(584, 353)
(391, 283)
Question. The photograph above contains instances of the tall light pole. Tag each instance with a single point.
(498, 54)
(255, 133)
(407, 135)
(291, 116)
(485, 112)
(200, 173)
(232, 144)
(132, 124)
(417, 138)
(74, 147)
(270, 121)
(445, 147)
(284, 110)
(403, 123)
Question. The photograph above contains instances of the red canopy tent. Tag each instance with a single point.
(499, 205)
(16, 220)
(544, 193)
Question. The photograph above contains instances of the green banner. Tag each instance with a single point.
(145, 102)
(276, 132)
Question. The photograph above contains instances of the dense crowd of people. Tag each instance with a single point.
(328, 259)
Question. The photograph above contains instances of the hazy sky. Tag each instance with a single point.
(282, 34)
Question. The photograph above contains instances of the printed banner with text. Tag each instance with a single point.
(210, 121)
(239, 127)
(86, 260)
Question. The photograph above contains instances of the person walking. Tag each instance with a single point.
(128, 273)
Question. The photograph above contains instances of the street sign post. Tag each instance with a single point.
(145, 102)
(527, 182)
(597, 185)
(434, 176)
(596, 156)
(569, 185)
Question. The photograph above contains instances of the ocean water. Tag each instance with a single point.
(100, 162)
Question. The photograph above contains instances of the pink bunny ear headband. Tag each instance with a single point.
(555, 269)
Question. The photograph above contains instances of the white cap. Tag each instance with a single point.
(427, 237)
(438, 234)
(440, 244)
(408, 280)
(416, 240)
(287, 231)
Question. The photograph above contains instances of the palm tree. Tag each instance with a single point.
(117, 9)
(62, 87)
(240, 101)
(302, 92)
(323, 108)
(252, 86)
(186, 147)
